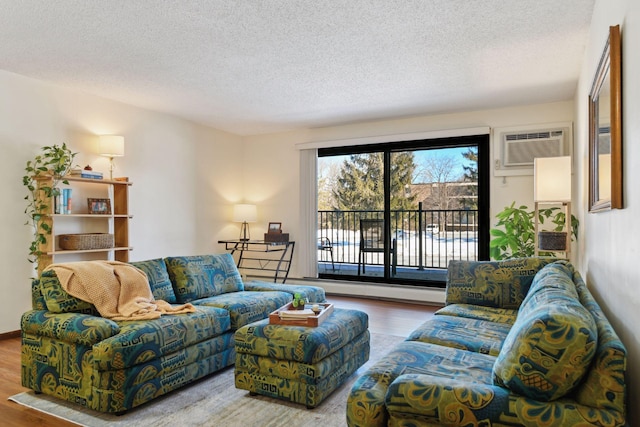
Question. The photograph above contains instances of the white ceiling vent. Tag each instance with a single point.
(515, 148)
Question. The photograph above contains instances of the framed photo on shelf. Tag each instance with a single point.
(275, 227)
(99, 206)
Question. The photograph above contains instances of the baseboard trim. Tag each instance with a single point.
(9, 335)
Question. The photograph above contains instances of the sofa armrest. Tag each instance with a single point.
(75, 328)
(446, 401)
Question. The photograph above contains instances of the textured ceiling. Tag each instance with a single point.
(250, 66)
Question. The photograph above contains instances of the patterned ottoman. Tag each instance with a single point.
(298, 363)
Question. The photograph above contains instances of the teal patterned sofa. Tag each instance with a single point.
(519, 342)
(70, 352)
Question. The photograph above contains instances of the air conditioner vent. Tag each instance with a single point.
(521, 152)
(535, 135)
(516, 148)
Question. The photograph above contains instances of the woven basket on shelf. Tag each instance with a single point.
(552, 241)
(79, 242)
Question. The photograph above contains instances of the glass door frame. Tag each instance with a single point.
(482, 142)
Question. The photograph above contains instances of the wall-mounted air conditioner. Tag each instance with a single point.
(515, 148)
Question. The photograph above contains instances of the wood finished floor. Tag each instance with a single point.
(385, 317)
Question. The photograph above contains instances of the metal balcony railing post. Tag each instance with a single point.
(420, 244)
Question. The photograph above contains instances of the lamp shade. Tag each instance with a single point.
(245, 213)
(552, 179)
(111, 145)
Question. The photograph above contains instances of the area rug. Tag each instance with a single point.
(214, 401)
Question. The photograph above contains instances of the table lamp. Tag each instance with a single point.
(111, 146)
(245, 214)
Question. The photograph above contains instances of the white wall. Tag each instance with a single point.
(184, 177)
(609, 257)
(272, 172)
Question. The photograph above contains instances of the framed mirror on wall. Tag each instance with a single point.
(605, 129)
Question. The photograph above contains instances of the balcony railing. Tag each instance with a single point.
(424, 239)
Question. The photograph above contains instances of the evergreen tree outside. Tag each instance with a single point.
(471, 169)
(403, 168)
(360, 184)
(356, 183)
(471, 175)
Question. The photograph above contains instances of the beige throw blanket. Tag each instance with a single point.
(119, 291)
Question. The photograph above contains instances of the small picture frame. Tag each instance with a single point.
(99, 206)
(275, 227)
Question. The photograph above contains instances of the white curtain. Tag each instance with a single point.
(308, 245)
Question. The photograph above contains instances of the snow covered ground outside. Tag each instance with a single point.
(437, 248)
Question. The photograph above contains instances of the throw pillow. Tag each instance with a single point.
(58, 300)
(555, 279)
(548, 349)
(202, 276)
(500, 284)
(158, 276)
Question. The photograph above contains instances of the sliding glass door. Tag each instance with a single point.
(399, 212)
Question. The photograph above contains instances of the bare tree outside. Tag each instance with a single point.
(439, 172)
(328, 173)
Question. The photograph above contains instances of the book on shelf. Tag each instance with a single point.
(65, 207)
(91, 174)
(296, 314)
(57, 204)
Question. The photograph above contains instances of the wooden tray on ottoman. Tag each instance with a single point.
(311, 321)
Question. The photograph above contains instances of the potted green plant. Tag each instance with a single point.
(299, 301)
(43, 176)
(516, 237)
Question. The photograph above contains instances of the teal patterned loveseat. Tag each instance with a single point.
(71, 352)
(519, 342)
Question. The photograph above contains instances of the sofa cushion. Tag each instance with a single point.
(247, 307)
(58, 300)
(464, 333)
(140, 341)
(551, 344)
(553, 279)
(202, 276)
(158, 276)
(502, 284)
(470, 311)
(312, 293)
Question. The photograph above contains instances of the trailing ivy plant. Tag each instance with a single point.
(516, 238)
(54, 162)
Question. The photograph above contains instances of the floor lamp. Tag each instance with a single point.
(552, 185)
